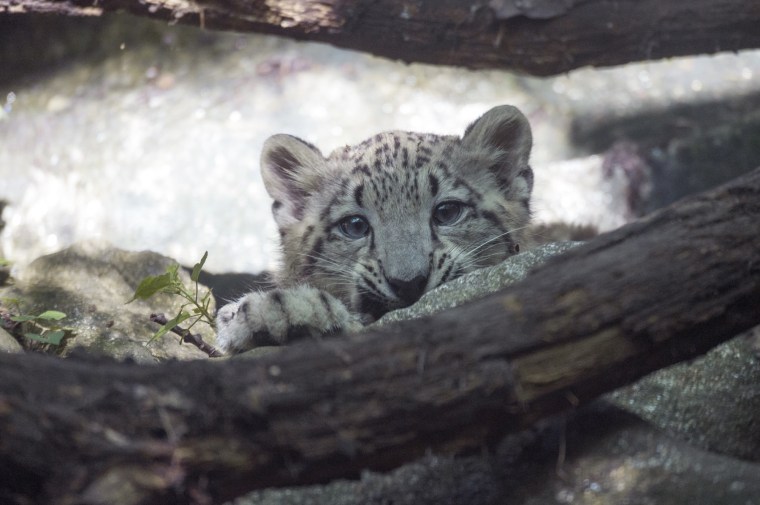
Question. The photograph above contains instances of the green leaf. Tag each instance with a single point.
(51, 337)
(152, 285)
(23, 319)
(4, 262)
(55, 337)
(52, 315)
(170, 324)
(172, 271)
(35, 336)
(198, 267)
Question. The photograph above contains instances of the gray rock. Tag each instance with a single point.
(91, 284)
(611, 458)
(713, 402)
(8, 343)
(477, 284)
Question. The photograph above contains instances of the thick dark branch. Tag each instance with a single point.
(660, 290)
(535, 37)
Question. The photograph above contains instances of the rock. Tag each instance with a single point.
(91, 284)
(477, 284)
(713, 402)
(8, 343)
(611, 458)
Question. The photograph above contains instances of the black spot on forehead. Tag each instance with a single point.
(363, 169)
(421, 161)
(359, 194)
(425, 150)
(433, 184)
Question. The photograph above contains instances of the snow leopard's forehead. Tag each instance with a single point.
(394, 150)
(396, 171)
(395, 174)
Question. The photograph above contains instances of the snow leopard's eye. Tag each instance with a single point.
(354, 227)
(448, 212)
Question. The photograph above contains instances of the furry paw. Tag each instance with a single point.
(280, 316)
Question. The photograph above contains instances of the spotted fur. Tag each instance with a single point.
(373, 226)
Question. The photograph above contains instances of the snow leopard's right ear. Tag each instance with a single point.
(292, 170)
(504, 133)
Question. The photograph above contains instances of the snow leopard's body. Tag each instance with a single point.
(373, 226)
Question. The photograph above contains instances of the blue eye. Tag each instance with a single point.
(354, 227)
(447, 213)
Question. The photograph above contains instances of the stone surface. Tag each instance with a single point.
(8, 343)
(91, 284)
(609, 458)
(477, 284)
(713, 401)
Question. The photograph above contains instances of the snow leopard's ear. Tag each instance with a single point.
(292, 170)
(503, 134)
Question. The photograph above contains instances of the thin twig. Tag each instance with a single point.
(190, 338)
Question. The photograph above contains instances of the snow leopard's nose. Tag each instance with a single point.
(409, 291)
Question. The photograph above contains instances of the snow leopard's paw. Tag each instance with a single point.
(281, 316)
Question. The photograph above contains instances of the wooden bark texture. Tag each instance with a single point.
(660, 290)
(539, 37)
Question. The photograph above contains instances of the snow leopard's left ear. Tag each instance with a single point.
(292, 170)
(503, 133)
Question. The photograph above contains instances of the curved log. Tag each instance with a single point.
(539, 37)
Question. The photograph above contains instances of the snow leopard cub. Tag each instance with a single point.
(373, 226)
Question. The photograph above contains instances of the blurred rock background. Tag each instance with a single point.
(148, 136)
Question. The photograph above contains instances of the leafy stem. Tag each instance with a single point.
(197, 308)
(43, 328)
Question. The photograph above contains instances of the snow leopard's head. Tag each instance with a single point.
(379, 223)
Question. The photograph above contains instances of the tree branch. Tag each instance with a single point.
(660, 290)
(188, 337)
(533, 37)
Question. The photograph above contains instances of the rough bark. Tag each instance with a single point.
(660, 290)
(540, 37)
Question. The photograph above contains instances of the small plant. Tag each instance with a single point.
(196, 309)
(43, 328)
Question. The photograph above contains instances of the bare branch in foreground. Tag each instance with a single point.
(189, 338)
